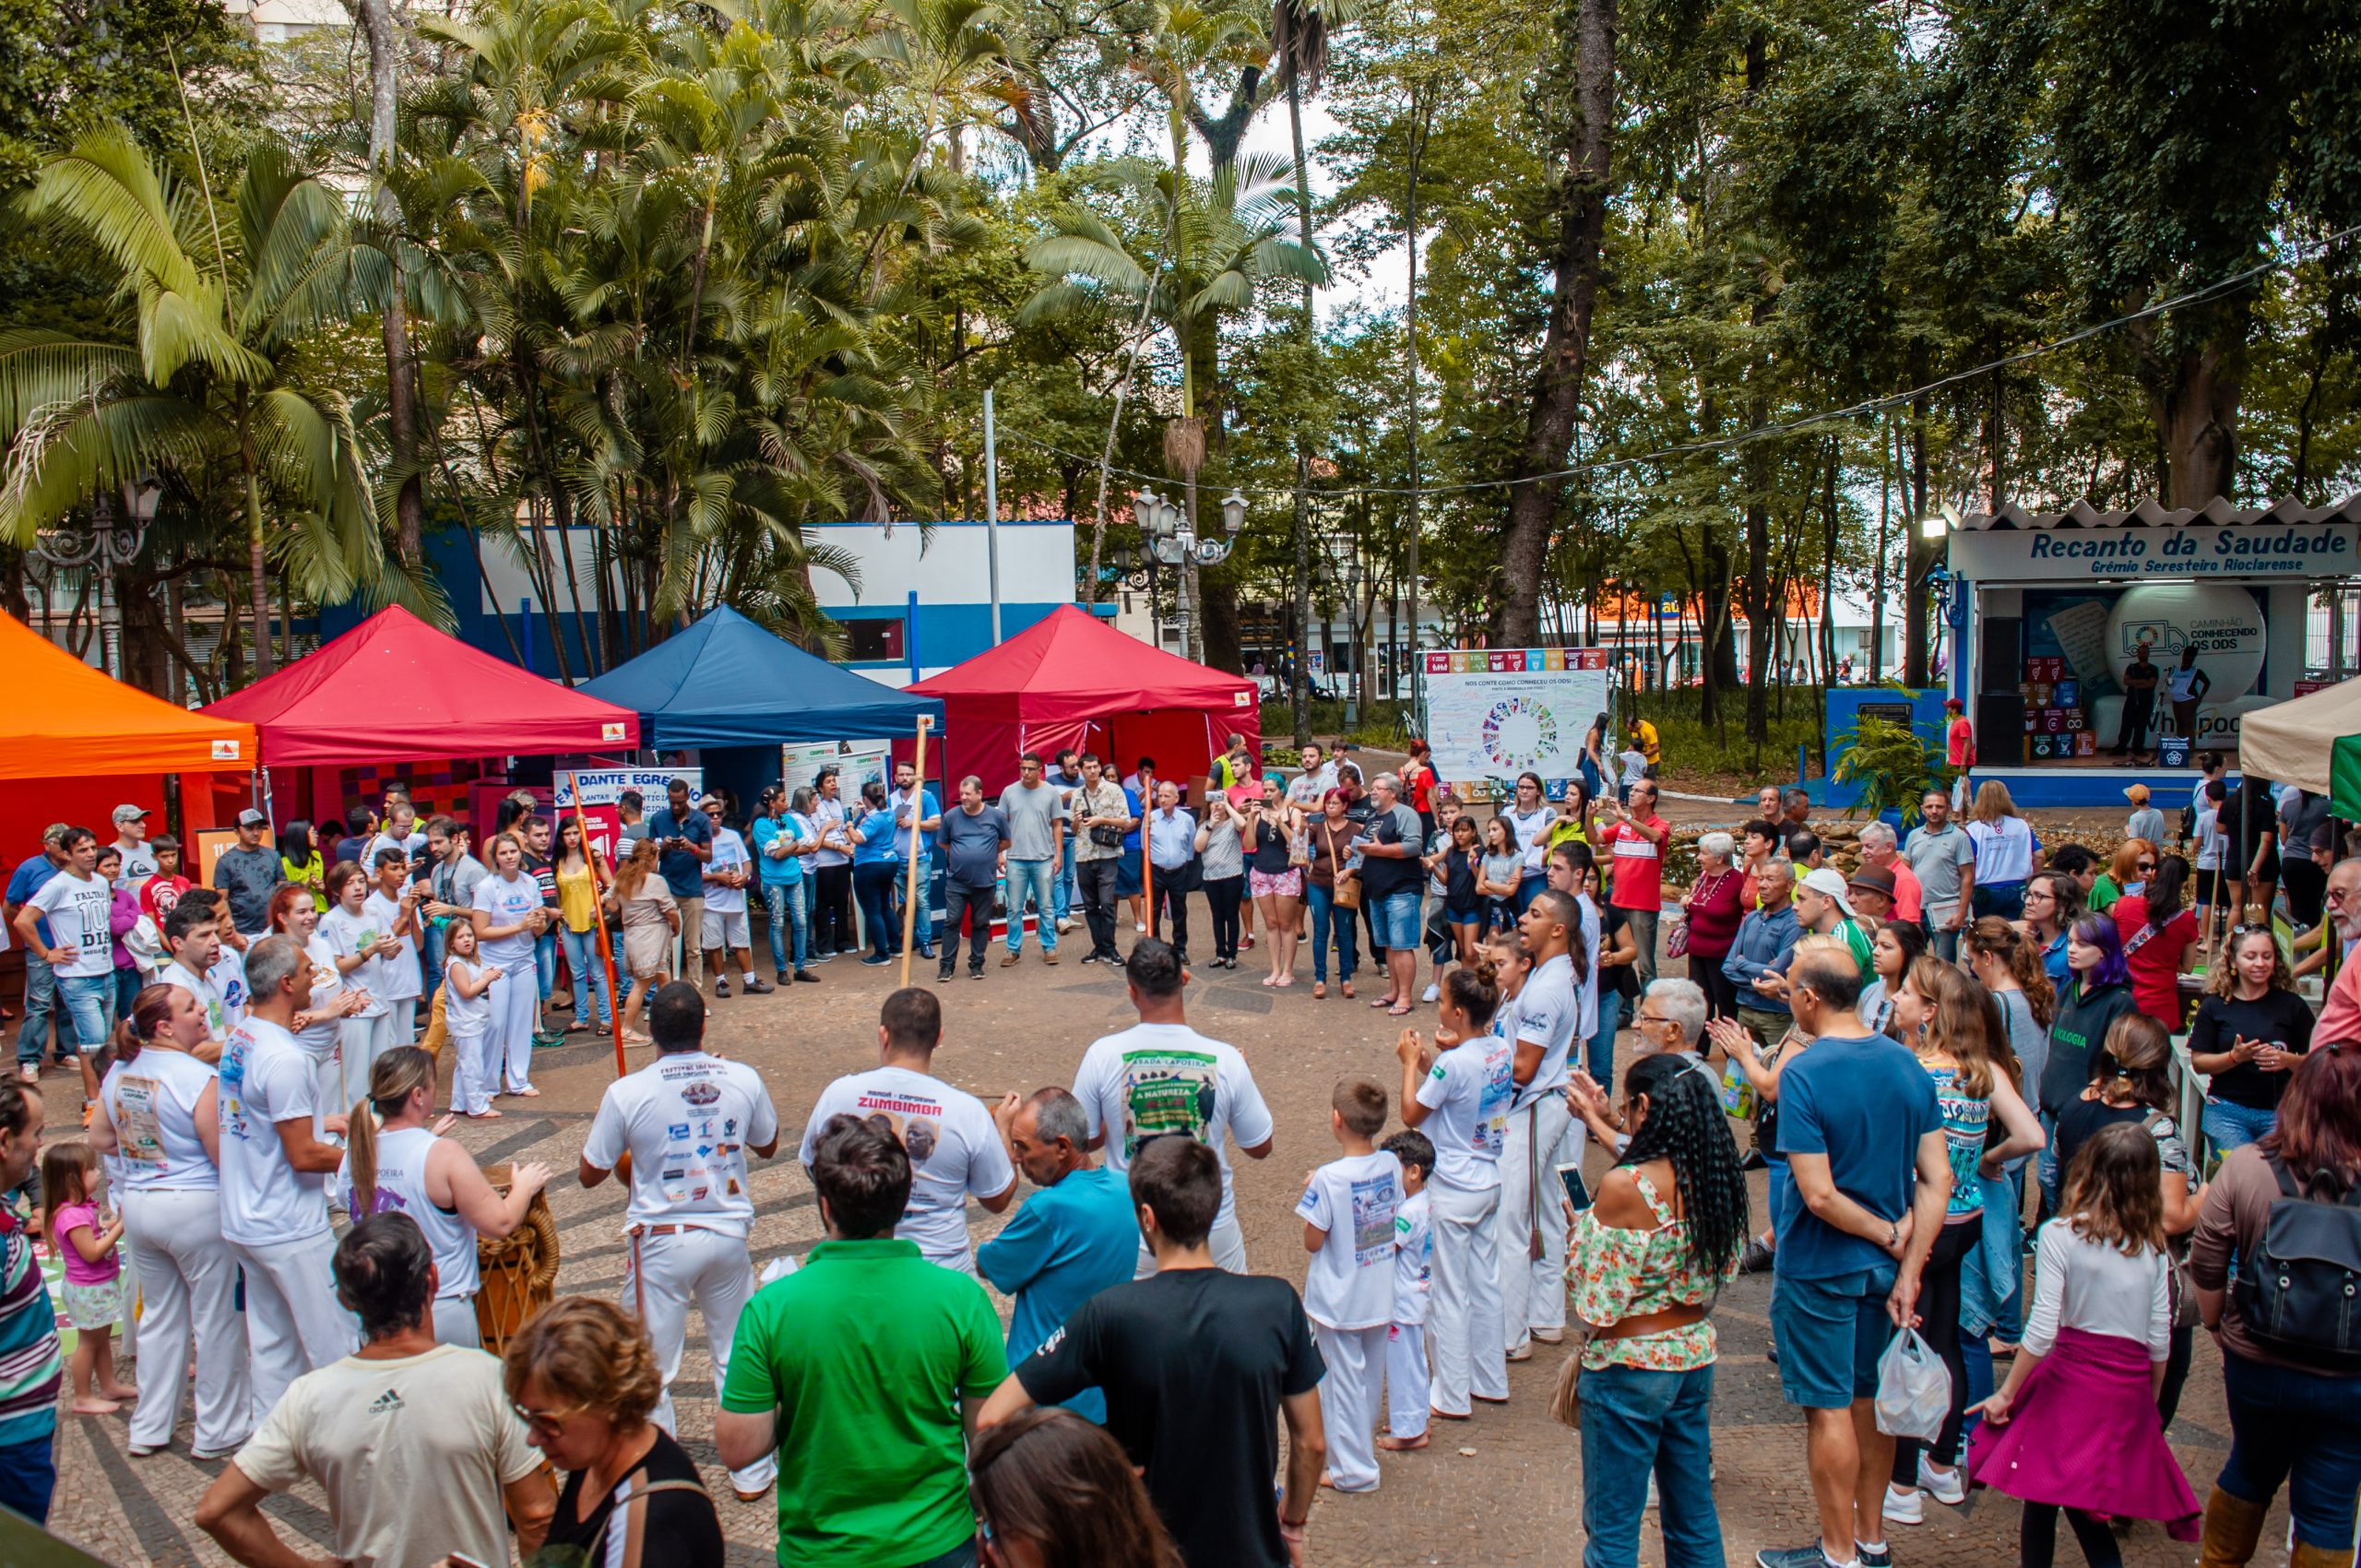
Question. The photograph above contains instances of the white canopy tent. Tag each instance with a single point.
(2293, 741)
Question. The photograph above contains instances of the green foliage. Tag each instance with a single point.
(1891, 764)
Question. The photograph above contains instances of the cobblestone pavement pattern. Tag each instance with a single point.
(1504, 1489)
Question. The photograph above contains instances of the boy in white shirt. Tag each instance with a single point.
(1348, 1212)
(726, 930)
(1407, 1379)
(391, 909)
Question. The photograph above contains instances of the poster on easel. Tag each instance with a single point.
(1491, 714)
(856, 762)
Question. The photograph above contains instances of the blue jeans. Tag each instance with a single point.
(2229, 1125)
(1528, 888)
(589, 972)
(2300, 1429)
(1602, 1044)
(41, 1000)
(88, 1000)
(1635, 1423)
(872, 888)
(29, 1475)
(1324, 906)
(1033, 879)
(434, 942)
(783, 900)
(545, 962)
(2045, 1165)
(922, 928)
(1065, 891)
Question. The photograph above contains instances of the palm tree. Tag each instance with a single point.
(207, 377)
(1227, 236)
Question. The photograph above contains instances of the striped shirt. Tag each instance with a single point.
(31, 1366)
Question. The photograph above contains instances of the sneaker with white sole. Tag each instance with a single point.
(1432, 993)
(1904, 1508)
(1949, 1487)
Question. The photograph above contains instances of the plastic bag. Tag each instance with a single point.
(1914, 1388)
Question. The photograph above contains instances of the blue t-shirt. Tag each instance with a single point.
(683, 872)
(873, 839)
(779, 871)
(1066, 1245)
(33, 874)
(1865, 1104)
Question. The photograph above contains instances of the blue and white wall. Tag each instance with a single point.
(937, 583)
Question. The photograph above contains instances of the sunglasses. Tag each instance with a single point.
(546, 1419)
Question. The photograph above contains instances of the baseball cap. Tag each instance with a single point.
(253, 818)
(130, 814)
(2137, 794)
(1828, 881)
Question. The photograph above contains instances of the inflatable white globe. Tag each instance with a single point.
(2225, 622)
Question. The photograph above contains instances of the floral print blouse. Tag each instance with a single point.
(1614, 1274)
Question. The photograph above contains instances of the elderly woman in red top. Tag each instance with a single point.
(1713, 910)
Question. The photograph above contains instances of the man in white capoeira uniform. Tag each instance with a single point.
(274, 1179)
(686, 1120)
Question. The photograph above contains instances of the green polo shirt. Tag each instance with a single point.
(865, 1353)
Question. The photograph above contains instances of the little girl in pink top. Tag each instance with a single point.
(72, 1185)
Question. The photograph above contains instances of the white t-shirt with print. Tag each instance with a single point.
(319, 1036)
(729, 849)
(1349, 1281)
(1414, 1258)
(227, 979)
(396, 979)
(1156, 1078)
(1547, 1014)
(507, 902)
(345, 934)
(954, 1151)
(138, 865)
(151, 1101)
(466, 1018)
(217, 1017)
(412, 1453)
(267, 1078)
(1532, 835)
(685, 1119)
(78, 908)
(1467, 1094)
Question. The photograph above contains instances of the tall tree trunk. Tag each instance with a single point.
(1916, 660)
(1421, 117)
(258, 571)
(2194, 384)
(1876, 558)
(383, 38)
(1565, 349)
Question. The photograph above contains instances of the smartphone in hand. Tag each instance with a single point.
(1577, 1190)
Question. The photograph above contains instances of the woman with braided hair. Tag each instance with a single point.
(395, 1159)
(1645, 1263)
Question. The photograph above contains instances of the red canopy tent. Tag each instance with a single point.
(393, 686)
(1071, 680)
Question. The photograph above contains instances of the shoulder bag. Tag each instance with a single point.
(1347, 895)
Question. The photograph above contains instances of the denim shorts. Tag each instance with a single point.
(1394, 919)
(1831, 1333)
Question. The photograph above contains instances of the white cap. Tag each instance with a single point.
(1828, 880)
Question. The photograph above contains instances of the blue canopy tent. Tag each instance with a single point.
(726, 681)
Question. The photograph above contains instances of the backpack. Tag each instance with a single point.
(2300, 1292)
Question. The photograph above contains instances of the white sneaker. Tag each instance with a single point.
(29, 1072)
(1949, 1486)
(1523, 1352)
(1139, 928)
(1065, 924)
(1904, 1508)
(1431, 994)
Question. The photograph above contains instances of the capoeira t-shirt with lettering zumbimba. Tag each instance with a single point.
(954, 1151)
(685, 1120)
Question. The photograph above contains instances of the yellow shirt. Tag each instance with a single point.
(577, 899)
(1649, 747)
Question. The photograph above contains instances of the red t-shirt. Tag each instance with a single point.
(2154, 956)
(1962, 737)
(1421, 780)
(1639, 865)
(159, 894)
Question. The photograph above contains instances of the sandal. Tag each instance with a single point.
(1401, 1012)
(1382, 1002)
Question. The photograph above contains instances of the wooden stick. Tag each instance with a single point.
(918, 815)
(599, 875)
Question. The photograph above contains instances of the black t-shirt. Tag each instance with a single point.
(681, 1529)
(2304, 826)
(2278, 1017)
(2083, 1120)
(1459, 869)
(1193, 1363)
(2244, 830)
(1383, 875)
(1620, 978)
(543, 872)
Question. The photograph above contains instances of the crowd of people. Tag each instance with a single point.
(1896, 1046)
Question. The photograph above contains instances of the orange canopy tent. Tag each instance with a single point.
(60, 718)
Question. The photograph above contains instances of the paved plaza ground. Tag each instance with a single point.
(1504, 1489)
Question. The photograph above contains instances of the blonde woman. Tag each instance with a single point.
(651, 917)
(397, 1158)
(1950, 1024)
(2006, 851)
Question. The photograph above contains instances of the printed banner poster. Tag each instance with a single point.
(1494, 713)
(856, 762)
(603, 787)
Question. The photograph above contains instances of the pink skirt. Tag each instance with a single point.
(2084, 1434)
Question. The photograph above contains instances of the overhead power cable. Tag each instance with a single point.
(2299, 252)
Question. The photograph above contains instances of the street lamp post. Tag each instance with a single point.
(104, 547)
(1168, 540)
